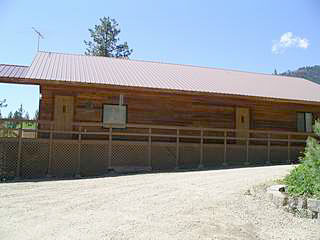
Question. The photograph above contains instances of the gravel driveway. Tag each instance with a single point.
(178, 205)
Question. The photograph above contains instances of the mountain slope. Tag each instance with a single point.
(311, 73)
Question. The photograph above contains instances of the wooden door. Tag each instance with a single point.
(242, 123)
(63, 113)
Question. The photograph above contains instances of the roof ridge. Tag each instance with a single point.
(168, 63)
(13, 65)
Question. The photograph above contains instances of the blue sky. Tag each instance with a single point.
(227, 34)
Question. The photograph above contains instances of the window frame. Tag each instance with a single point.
(115, 126)
(305, 127)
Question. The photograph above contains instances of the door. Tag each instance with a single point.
(63, 113)
(242, 123)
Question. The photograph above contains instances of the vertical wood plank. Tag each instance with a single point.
(79, 153)
(110, 148)
(268, 149)
(19, 151)
(225, 148)
(49, 174)
(289, 148)
(201, 150)
(247, 152)
(149, 148)
(177, 149)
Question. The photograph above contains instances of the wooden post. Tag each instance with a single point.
(49, 173)
(110, 147)
(289, 149)
(247, 152)
(149, 149)
(19, 151)
(177, 150)
(201, 150)
(78, 172)
(268, 149)
(225, 149)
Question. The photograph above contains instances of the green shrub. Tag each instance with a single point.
(304, 180)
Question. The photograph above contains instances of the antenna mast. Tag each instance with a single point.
(39, 36)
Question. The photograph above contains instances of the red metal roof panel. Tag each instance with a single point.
(12, 71)
(135, 73)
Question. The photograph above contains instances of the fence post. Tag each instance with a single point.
(78, 172)
(49, 174)
(268, 149)
(19, 151)
(177, 150)
(289, 148)
(247, 152)
(201, 150)
(110, 147)
(225, 149)
(149, 149)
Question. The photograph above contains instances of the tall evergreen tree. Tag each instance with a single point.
(2, 104)
(105, 40)
(10, 115)
(19, 113)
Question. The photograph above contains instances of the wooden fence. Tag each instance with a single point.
(84, 152)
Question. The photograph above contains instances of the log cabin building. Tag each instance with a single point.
(201, 116)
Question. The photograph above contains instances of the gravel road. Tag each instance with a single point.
(176, 205)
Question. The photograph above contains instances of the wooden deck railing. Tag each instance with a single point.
(152, 133)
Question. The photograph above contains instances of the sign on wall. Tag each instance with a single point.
(114, 116)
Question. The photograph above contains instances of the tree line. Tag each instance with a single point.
(19, 114)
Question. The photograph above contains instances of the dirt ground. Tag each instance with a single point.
(178, 205)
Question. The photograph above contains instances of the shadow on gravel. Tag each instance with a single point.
(112, 173)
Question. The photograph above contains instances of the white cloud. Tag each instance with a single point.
(288, 40)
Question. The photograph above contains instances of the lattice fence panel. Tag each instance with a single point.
(279, 155)
(296, 152)
(258, 155)
(213, 155)
(129, 155)
(236, 154)
(189, 155)
(8, 157)
(34, 158)
(64, 158)
(163, 155)
(94, 158)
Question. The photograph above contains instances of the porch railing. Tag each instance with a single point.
(141, 142)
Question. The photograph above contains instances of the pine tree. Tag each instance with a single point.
(10, 115)
(105, 40)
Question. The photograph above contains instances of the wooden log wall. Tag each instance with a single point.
(173, 108)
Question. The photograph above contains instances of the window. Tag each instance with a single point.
(304, 122)
(114, 116)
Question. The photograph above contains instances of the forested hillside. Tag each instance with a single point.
(309, 72)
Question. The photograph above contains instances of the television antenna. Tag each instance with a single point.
(39, 36)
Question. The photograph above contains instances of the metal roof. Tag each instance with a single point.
(12, 71)
(135, 73)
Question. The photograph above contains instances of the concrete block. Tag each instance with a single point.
(277, 188)
(293, 202)
(302, 203)
(280, 199)
(313, 205)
